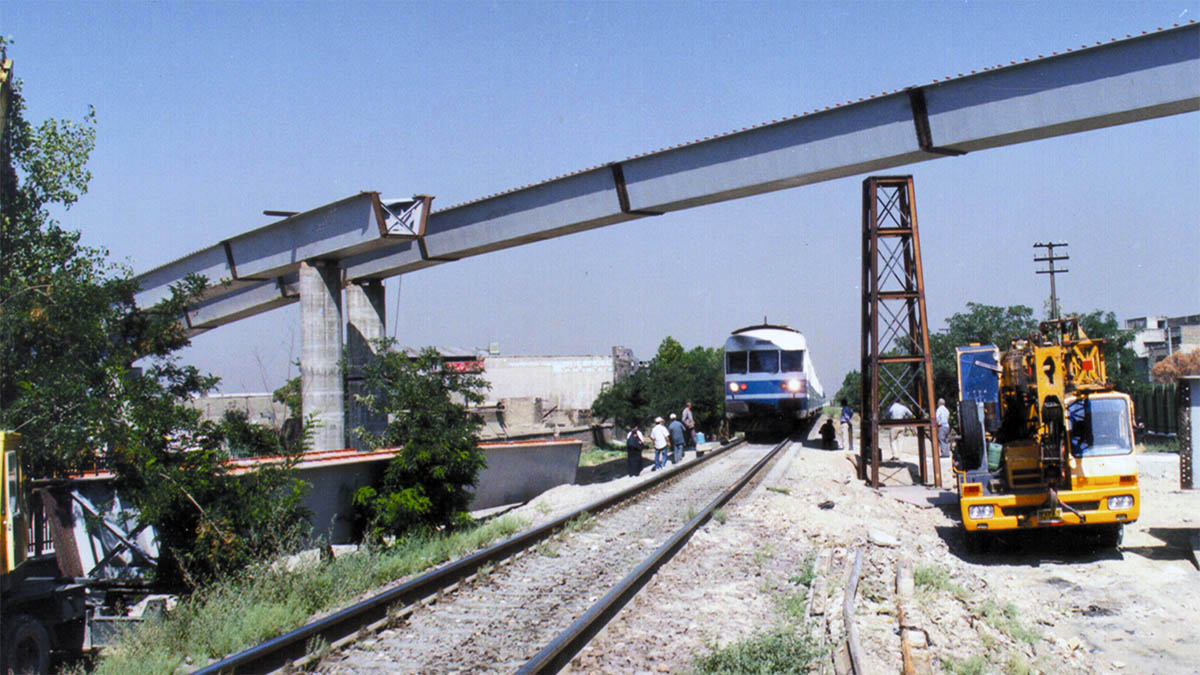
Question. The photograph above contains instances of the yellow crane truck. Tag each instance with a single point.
(1045, 442)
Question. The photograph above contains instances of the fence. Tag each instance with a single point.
(1157, 409)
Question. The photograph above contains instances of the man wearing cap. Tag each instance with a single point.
(659, 436)
(678, 438)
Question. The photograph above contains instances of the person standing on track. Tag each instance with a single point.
(847, 427)
(689, 427)
(678, 438)
(634, 442)
(943, 422)
(660, 437)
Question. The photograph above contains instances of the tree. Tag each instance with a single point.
(427, 484)
(70, 334)
(671, 379)
(1176, 366)
(851, 390)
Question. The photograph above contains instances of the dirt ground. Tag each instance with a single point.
(1043, 601)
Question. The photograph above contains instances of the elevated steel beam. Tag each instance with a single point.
(1131, 80)
(1136, 79)
(261, 257)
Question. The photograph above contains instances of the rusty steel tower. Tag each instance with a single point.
(896, 364)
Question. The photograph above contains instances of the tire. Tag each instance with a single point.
(971, 451)
(26, 646)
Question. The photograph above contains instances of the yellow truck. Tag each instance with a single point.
(1044, 440)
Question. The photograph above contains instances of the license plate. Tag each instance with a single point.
(1050, 516)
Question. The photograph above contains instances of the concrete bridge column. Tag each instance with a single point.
(321, 381)
(366, 321)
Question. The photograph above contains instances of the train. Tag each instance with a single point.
(770, 383)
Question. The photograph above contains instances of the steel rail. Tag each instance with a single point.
(284, 649)
(556, 655)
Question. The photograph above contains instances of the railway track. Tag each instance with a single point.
(493, 610)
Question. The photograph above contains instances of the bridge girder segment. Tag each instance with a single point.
(1117, 83)
(1136, 79)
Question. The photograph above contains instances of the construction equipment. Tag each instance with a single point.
(41, 611)
(1044, 441)
(70, 569)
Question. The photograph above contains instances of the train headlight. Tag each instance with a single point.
(793, 385)
(733, 387)
(1120, 502)
(980, 512)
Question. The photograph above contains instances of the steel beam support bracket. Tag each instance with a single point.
(403, 221)
(623, 193)
(916, 99)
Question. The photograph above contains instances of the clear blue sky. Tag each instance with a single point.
(211, 112)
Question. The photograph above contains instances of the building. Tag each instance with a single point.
(1157, 337)
(530, 396)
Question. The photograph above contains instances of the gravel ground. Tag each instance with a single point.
(1044, 602)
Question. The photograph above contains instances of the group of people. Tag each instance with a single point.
(896, 411)
(670, 441)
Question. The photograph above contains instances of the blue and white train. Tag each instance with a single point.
(770, 383)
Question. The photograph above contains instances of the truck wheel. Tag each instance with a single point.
(26, 646)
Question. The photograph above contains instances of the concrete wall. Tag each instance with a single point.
(562, 381)
(515, 472)
(518, 472)
(259, 407)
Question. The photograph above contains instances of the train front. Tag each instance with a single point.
(765, 379)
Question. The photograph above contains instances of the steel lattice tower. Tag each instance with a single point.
(896, 364)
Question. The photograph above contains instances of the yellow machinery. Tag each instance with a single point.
(41, 611)
(14, 532)
(1045, 441)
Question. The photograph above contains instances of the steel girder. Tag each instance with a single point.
(1136, 79)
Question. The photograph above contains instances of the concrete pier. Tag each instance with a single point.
(321, 379)
(366, 321)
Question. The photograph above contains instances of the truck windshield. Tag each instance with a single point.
(1099, 426)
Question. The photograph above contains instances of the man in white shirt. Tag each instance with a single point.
(943, 421)
(897, 411)
(661, 439)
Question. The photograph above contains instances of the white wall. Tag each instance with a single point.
(563, 381)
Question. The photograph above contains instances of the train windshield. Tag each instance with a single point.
(1099, 426)
(735, 362)
(764, 361)
(793, 361)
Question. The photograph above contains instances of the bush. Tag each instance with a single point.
(427, 484)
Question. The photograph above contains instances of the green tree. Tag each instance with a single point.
(70, 333)
(438, 459)
(671, 379)
(851, 390)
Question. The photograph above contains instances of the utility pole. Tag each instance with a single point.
(1051, 258)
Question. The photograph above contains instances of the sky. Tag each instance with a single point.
(210, 112)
